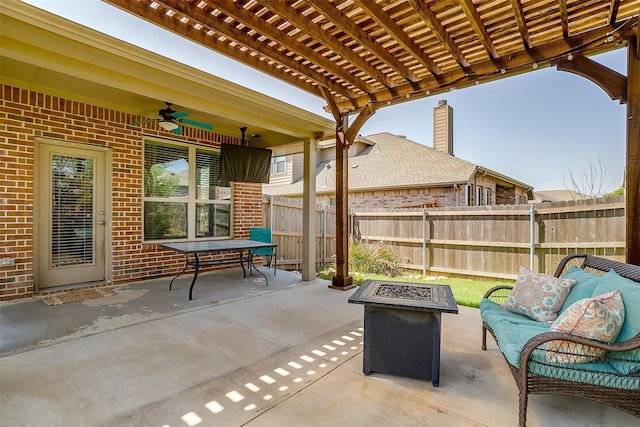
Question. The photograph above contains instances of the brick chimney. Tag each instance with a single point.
(443, 127)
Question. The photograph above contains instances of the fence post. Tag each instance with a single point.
(532, 224)
(324, 235)
(424, 242)
(352, 213)
(271, 212)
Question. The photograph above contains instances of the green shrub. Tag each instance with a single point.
(373, 259)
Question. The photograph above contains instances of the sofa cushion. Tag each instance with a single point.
(511, 337)
(598, 318)
(492, 313)
(538, 295)
(627, 362)
(585, 284)
(630, 292)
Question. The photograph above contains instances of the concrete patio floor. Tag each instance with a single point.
(241, 353)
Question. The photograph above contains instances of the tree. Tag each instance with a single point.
(618, 192)
(588, 184)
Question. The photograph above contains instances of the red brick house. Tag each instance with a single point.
(87, 196)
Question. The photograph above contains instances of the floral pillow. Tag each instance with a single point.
(598, 318)
(538, 295)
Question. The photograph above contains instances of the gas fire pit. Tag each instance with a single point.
(402, 327)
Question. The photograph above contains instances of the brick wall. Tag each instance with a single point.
(26, 115)
(247, 209)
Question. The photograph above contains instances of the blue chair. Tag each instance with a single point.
(262, 235)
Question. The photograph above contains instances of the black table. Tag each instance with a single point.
(402, 327)
(193, 250)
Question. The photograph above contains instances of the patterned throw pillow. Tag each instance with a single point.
(538, 295)
(598, 318)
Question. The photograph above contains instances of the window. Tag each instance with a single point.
(468, 194)
(487, 196)
(279, 165)
(181, 202)
(478, 195)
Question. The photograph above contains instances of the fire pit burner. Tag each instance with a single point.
(404, 292)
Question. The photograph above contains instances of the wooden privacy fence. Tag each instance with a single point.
(487, 241)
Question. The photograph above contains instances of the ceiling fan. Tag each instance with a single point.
(170, 119)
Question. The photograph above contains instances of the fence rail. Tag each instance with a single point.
(488, 241)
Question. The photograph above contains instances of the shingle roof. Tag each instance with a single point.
(557, 196)
(391, 161)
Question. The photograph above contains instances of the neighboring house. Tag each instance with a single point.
(558, 196)
(89, 187)
(391, 172)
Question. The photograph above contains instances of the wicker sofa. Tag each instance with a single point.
(611, 378)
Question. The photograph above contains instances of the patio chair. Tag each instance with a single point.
(262, 235)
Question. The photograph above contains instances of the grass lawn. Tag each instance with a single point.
(466, 292)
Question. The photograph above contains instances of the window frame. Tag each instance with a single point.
(274, 165)
(191, 200)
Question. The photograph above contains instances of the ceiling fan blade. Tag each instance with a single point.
(198, 124)
(177, 131)
(142, 121)
(179, 114)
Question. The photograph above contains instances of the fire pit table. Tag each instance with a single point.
(402, 327)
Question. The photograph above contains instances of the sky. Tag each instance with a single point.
(541, 128)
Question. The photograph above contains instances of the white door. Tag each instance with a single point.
(70, 215)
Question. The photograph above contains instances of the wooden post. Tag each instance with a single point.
(342, 280)
(345, 135)
(632, 180)
(309, 217)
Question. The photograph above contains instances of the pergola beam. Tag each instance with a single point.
(486, 71)
(522, 23)
(345, 24)
(564, 18)
(263, 28)
(612, 82)
(613, 11)
(478, 27)
(313, 30)
(430, 19)
(384, 20)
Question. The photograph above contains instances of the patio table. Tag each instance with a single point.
(194, 250)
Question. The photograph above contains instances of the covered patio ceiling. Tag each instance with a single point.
(360, 55)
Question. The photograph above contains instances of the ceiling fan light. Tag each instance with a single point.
(168, 125)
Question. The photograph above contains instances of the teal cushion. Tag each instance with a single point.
(512, 337)
(629, 361)
(586, 283)
(630, 292)
(492, 313)
(626, 362)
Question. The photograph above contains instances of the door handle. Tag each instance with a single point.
(101, 222)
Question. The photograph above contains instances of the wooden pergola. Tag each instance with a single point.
(361, 55)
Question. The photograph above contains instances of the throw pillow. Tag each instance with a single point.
(538, 295)
(598, 318)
